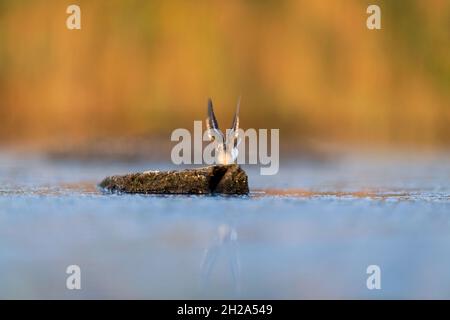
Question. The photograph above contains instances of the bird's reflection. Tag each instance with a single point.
(225, 244)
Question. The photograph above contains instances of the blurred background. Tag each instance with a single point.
(139, 69)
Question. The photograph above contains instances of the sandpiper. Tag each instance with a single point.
(226, 144)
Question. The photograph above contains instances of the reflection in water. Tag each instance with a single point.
(224, 245)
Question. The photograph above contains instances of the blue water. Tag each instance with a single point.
(309, 232)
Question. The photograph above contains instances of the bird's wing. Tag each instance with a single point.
(234, 131)
(211, 123)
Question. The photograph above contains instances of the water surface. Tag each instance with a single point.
(308, 232)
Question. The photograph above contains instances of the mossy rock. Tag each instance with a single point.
(221, 179)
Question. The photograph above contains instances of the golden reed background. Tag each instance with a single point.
(143, 68)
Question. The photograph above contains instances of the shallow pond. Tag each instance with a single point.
(309, 232)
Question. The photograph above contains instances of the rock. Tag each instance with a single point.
(224, 179)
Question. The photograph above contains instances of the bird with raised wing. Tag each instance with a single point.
(226, 150)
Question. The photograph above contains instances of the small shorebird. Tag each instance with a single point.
(226, 147)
